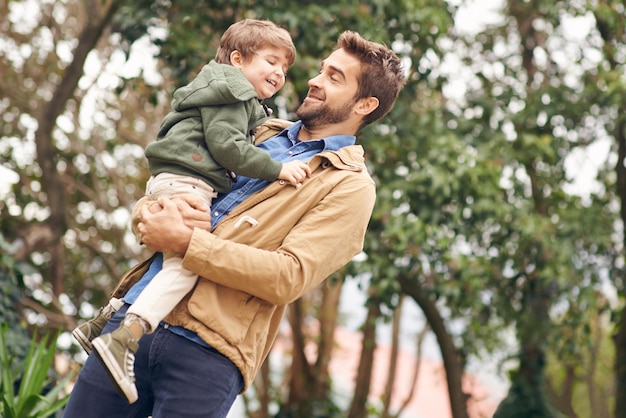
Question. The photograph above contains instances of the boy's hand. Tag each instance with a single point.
(294, 172)
(192, 200)
(194, 210)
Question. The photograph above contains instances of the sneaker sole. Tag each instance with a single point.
(115, 373)
(82, 339)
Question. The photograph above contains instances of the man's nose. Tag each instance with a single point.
(315, 81)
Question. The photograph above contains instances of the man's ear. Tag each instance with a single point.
(366, 105)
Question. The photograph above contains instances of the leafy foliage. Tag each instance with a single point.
(11, 291)
(38, 394)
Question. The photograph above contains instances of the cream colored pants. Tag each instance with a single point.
(174, 281)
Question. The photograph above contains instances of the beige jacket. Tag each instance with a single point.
(273, 248)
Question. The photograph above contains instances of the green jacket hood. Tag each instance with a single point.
(216, 84)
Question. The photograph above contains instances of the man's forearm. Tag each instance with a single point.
(322, 241)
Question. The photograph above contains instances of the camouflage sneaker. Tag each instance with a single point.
(86, 332)
(117, 351)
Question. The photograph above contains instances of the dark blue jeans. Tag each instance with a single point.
(175, 378)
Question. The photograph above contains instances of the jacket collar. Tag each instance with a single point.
(349, 157)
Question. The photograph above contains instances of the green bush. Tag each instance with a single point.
(11, 292)
(26, 386)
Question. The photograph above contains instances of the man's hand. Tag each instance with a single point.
(164, 230)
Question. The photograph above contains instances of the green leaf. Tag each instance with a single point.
(32, 373)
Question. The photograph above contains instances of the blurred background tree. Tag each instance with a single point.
(479, 221)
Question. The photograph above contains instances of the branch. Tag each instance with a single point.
(418, 361)
(56, 319)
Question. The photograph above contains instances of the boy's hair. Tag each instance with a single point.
(382, 74)
(249, 35)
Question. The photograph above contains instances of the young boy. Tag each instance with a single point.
(201, 146)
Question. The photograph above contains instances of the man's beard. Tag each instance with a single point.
(323, 114)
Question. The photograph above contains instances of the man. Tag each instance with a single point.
(270, 244)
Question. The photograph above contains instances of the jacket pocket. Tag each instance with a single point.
(226, 311)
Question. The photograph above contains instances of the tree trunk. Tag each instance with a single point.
(328, 315)
(99, 15)
(358, 407)
(609, 36)
(620, 336)
(393, 359)
(562, 397)
(300, 376)
(527, 396)
(452, 363)
(262, 386)
(597, 402)
(309, 383)
(620, 367)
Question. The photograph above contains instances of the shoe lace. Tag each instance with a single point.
(130, 363)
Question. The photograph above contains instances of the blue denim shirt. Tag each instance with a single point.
(283, 147)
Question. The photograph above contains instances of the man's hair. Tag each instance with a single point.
(382, 75)
(250, 35)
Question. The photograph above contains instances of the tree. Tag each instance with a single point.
(556, 256)
(476, 218)
(581, 382)
(607, 90)
(62, 197)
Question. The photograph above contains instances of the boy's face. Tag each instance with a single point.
(266, 70)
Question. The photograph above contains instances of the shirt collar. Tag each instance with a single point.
(332, 143)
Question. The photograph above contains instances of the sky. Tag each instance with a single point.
(475, 14)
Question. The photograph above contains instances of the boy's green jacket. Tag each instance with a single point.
(209, 134)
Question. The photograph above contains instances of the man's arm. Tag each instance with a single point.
(322, 241)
